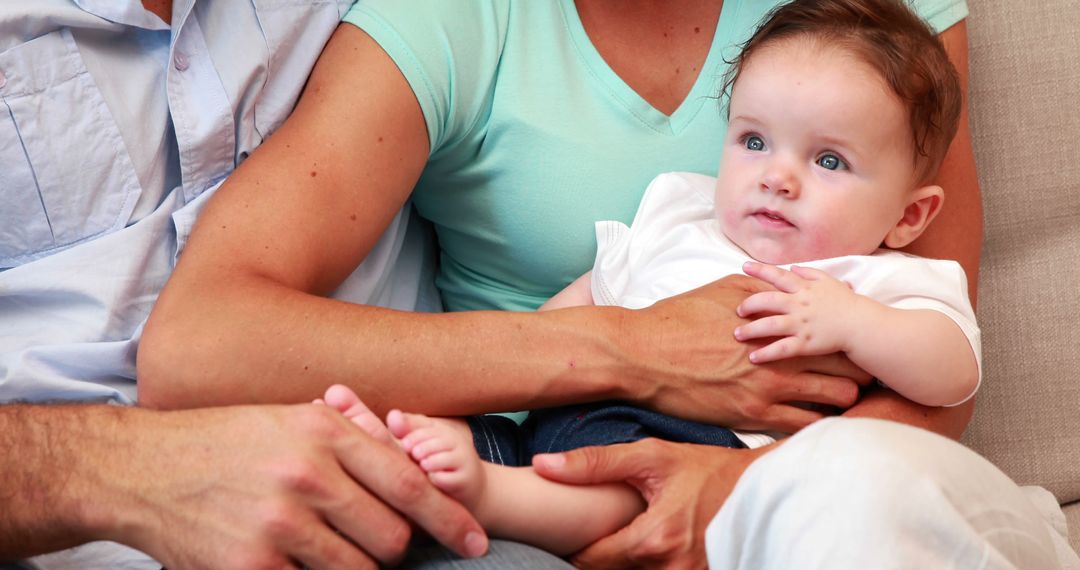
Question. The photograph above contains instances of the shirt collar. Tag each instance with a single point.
(131, 12)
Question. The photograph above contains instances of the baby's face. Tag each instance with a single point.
(818, 157)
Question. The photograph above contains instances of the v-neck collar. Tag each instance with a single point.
(706, 82)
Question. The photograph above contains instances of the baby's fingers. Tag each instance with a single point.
(786, 347)
(779, 325)
(809, 273)
(766, 302)
(782, 279)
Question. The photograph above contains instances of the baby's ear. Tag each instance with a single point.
(923, 205)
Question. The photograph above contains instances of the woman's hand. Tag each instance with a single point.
(688, 364)
(684, 485)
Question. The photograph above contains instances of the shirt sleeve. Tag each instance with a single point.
(941, 14)
(626, 256)
(611, 270)
(448, 52)
(621, 250)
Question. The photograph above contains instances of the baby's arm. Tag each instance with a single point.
(922, 354)
(576, 294)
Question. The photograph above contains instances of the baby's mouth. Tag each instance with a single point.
(771, 218)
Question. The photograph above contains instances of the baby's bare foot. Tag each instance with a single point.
(344, 400)
(443, 448)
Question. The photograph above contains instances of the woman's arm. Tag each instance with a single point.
(957, 231)
(242, 319)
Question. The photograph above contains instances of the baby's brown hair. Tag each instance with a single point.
(893, 40)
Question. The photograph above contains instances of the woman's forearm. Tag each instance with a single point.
(885, 404)
(273, 343)
(270, 343)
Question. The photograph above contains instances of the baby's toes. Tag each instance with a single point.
(418, 437)
(344, 400)
(424, 449)
(441, 461)
(452, 483)
(402, 424)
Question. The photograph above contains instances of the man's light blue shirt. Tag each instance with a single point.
(114, 129)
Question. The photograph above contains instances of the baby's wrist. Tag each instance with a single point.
(862, 318)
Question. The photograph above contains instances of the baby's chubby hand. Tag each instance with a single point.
(811, 313)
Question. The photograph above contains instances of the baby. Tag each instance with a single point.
(840, 113)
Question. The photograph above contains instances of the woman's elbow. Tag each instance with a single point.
(161, 362)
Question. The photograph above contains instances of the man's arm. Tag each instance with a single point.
(41, 512)
(227, 487)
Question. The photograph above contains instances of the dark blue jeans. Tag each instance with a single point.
(552, 430)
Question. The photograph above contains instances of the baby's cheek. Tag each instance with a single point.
(820, 244)
(729, 222)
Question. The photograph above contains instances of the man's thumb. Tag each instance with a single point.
(589, 465)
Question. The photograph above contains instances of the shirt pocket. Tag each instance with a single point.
(295, 32)
(65, 174)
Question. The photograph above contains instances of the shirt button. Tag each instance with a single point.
(180, 62)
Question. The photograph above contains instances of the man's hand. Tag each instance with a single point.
(811, 313)
(289, 486)
(694, 368)
(684, 485)
(241, 487)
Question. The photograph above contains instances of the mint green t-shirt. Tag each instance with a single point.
(534, 138)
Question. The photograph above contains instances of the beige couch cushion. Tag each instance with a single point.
(1024, 76)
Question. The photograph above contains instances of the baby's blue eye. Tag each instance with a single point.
(831, 162)
(754, 142)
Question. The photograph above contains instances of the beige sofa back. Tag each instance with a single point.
(1025, 95)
